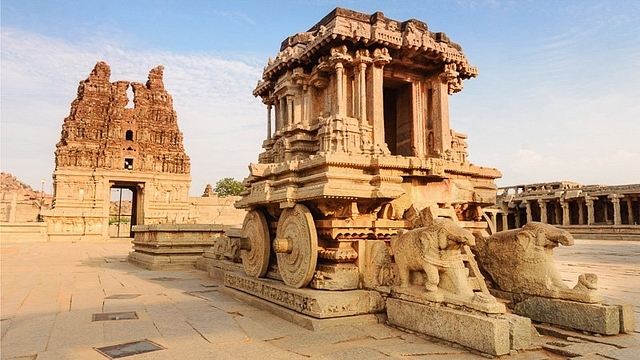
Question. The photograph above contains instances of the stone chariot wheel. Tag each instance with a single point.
(296, 246)
(256, 247)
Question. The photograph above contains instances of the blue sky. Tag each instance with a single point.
(556, 98)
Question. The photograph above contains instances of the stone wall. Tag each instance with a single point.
(215, 210)
(14, 208)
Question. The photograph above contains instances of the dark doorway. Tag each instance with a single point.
(122, 210)
(398, 117)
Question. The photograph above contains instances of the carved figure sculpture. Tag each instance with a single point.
(521, 261)
(226, 248)
(431, 249)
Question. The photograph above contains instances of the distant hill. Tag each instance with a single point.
(12, 185)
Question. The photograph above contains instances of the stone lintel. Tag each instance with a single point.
(482, 333)
(316, 303)
(595, 318)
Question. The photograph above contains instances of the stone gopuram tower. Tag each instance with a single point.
(107, 144)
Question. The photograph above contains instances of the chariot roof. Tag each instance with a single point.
(409, 42)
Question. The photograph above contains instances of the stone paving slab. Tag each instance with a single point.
(49, 292)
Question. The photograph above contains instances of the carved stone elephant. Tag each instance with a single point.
(429, 249)
(521, 261)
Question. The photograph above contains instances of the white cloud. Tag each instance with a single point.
(223, 124)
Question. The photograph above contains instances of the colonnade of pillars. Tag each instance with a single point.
(590, 210)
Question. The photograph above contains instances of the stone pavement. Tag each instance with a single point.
(51, 292)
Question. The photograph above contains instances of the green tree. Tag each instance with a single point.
(228, 187)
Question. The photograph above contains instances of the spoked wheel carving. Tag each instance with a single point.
(296, 246)
(255, 252)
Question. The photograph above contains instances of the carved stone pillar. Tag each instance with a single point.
(375, 105)
(527, 205)
(630, 210)
(269, 121)
(505, 220)
(566, 216)
(306, 106)
(280, 115)
(362, 59)
(558, 213)
(289, 111)
(580, 212)
(341, 102)
(517, 216)
(543, 211)
(590, 213)
(440, 116)
(418, 99)
(617, 218)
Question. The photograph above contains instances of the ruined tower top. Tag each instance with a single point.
(103, 130)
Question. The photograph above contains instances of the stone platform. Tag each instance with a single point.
(483, 333)
(605, 319)
(315, 303)
(172, 246)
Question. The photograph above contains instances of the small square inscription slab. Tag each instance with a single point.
(128, 349)
(127, 315)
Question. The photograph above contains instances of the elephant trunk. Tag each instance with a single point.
(563, 238)
(464, 237)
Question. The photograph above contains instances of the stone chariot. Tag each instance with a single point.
(359, 145)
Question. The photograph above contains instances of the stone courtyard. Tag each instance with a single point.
(50, 292)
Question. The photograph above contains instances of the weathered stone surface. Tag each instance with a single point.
(163, 261)
(596, 318)
(620, 354)
(520, 330)
(573, 349)
(621, 341)
(306, 321)
(486, 334)
(521, 261)
(315, 303)
(627, 318)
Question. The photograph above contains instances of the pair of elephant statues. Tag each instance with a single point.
(518, 261)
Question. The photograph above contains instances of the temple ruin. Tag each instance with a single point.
(587, 211)
(109, 141)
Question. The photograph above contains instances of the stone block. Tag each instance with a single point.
(305, 321)
(627, 318)
(162, 262)
(316, 303)
(520, 330)
(573, 349)
(482, 333)
(596, 318)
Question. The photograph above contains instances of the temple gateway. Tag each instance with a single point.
(107, 144)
